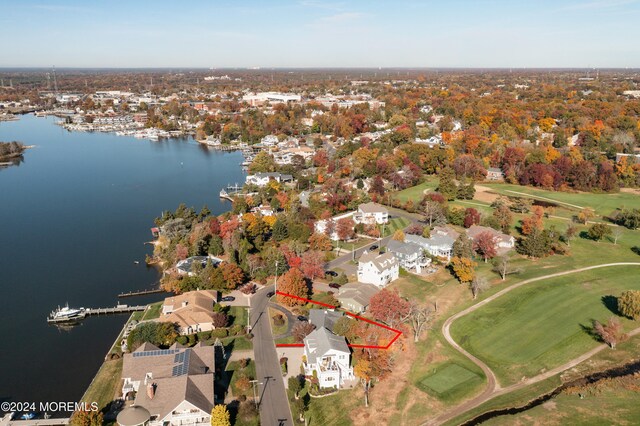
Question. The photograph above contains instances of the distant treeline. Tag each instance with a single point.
(11, 149)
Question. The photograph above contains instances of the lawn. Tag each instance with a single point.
(332, 410)
(278, 329)
(395, 224)
(543, 325)
(105, 384)
(447, 379)
(153, 311)
(415, 193)
(236, 372)
(603, 204)
(240, 343)
(238, 315)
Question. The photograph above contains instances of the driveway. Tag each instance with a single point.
(274, 404)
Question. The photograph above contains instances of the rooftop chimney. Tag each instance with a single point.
(151, 390)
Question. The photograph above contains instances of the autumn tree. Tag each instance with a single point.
(611, 333)
(598, 231)
(364, 371)
(301, 330)
(463, 269)
(389, 307)
(220, 416)
(471, 217)
(232, 274)
(485, 245)
(312, 264)
(219, 319)
(504, 217)
(293, 282)
(398, 235)
(263, 162)
(629, 304)
(345, 228)
(347, 327)
(463, 246)
(419, 317)
(320, 242)
(501, 265)
(570, 233)
(533, 222)
(586, 215)
(87, 418)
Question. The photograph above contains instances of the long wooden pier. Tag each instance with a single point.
(6, 421)
(120, 309)
(141, 292)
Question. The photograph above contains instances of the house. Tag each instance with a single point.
(503, 242)
(371, 214)
(410, 255)
(356, 296)
(324, 318)
(494, 173)
(262, 179)
(264, 210)
(630, 158)
(327, 356)
(437, 245)
(191, 311)
(174, 385)
(378, 269)
(185, 266)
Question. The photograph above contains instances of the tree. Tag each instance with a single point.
(536, 244)
(570, 233)
(293, 282)
(629, 304)
(485, 245)
(471, 217)
(398, 235)
(87, 418)
(232, 274)
(598, 231)
(220, 416)
(463, 268)
(533, 222)
(312, 264)
(628, 218)
(501, 266)
(364, 371)
(344, 228)
(263, 162)
(433, 212)
(463, 247)
(302, 330)
(219, 319)
(320, 242)
(504, 217)
(419, 317)
(447, 185)
(611, 333)
(280, 231)
(347, 327)
(616, 234)
(295, 385)
(585, 215)
(478, 285)
(389, 307)
(243, 383)
(157, 333)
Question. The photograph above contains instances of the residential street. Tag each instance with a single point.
(274, 404)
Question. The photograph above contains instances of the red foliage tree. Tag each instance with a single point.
(389, 307)
(312, 264)
(302, 330)
(485, 245)
(344, 228)
(232, 274)
(213, 226)
(471, 217)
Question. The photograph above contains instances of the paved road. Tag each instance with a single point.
(274, 405)
(493, 388)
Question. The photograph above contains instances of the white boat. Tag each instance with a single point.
(66, 314)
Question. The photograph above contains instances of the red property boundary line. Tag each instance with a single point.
(351, 314)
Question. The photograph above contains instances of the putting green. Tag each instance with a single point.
(447, 377)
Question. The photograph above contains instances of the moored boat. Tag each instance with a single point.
(66, 314)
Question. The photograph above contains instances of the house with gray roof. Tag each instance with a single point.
(328, 356)
(437, 245)
(378, 269)
(324, 318)
(175, 385)
(410, 255)
(356, 296)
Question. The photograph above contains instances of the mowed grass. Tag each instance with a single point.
(153, 311)
(105, 384)
(447, 378)
(395, 224)
(415, 193)
(543, 324)
(603, 204)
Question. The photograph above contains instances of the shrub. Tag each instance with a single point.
(204, 335)
(183, 340)
(629, 304)
(191, 339)
(237, 329)
(219, 332)
(278, 320)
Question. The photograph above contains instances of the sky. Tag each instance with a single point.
(315, 33)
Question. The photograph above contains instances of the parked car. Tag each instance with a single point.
(332, 273)
(228, 299)
(270, 294)
(334, 285)
(302, 318)
(373, 247)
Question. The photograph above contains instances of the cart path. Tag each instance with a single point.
(493, 388)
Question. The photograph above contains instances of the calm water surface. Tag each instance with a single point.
(73, 219)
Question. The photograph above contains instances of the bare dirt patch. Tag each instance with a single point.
(485, 194)
(635, 191)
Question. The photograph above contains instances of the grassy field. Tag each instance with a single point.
(238, 315)
(603, 204)
(332, 410)
(416, 193)
(240, 343)
(448, 379)
(105, 384)
(541, 326)
(278, 329)
(395, 224)
(236, 372)
(153, 311)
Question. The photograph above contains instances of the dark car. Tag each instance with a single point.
(373, 247)
(332, 273)
(302, 318)
(334, 285)
(228, 299)
(271, 293)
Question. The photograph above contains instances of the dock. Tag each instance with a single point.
(6, 421)
(120, 309)
(141, 292)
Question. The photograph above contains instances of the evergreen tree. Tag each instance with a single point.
(447, 185)
(280, 231)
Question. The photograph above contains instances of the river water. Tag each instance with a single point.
(73, 219)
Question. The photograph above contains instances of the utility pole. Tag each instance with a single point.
(276, 281)
(255, 396)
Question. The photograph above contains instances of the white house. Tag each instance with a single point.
(437, 245)
(328, 356)
(262, 179)
(174, 385)
(328, 226)
(371, 213)
(410, 255)
(378, 269)
(494, 173)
